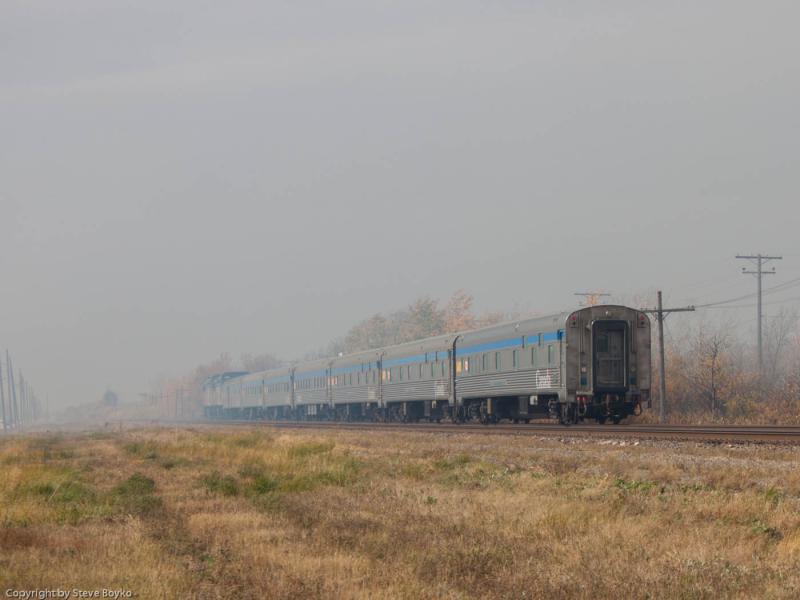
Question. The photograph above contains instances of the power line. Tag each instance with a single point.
(782, 287)
(784, 301)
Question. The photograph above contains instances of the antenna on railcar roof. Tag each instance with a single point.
(591, 298)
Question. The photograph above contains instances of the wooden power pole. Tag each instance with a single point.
(661, 313)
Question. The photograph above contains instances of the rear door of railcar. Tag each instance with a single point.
(609, 355)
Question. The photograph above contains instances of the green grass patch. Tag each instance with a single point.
(248, 440)
(417, 471)
(774, 495)
(759, 527)
(451, 463)
(220, 484)
(473, 474)
(310, 449)
(263, 484)
(136, 495)
(634, 485)
(253, 469)
(146, 450)
(172, 462)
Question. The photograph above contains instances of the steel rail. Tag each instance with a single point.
(710, 433)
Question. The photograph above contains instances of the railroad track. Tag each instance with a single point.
(706, 433)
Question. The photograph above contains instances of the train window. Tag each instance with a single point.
(444, 368)
(551, 353)
(497, 361)
(420, 371)
(485, 363)
(533, 356)
(433, 369)
(401, 373)
(408, 371)
(466, 365)
(515, 358)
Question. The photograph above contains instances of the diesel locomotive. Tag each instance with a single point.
(592, 363)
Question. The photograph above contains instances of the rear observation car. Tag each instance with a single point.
(607, 370)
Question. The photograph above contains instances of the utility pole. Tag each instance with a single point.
(661, 313)
(592, 298)
(3, 400)
(12, 416)
(23, 401)
(759, 260)
(12, 393)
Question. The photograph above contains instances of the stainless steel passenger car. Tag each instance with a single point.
(593, 362)
(416, 378)
(355, 384)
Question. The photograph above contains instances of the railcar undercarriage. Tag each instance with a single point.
(515, 409)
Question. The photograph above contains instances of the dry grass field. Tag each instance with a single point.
(266, 513)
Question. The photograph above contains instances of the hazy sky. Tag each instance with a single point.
(179, 179)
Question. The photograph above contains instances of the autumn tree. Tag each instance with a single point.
(423, 319)
(458, 312)
(260, 362)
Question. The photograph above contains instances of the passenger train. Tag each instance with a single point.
(591, 363)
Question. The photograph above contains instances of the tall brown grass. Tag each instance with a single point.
(262, 513)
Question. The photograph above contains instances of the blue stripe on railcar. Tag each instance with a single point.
(517, 341)
(359, 368)
(319, 373)
(550, 336)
